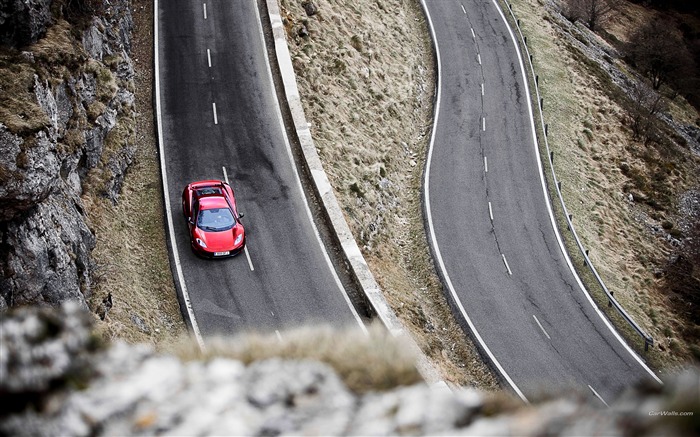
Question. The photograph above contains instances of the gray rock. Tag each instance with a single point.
(93, 41)
(298, 398)
(140, 323)
(55, 381)
(310, 7)
(28, 170)
(40, 347)
(23, 22)
(47, 254)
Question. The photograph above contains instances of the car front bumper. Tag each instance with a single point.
(216, 255)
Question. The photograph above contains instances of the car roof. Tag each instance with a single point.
(208, 190)
(211, 202)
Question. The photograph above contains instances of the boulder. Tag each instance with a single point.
(56, 379)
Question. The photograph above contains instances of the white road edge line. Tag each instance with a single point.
(216, 119)
(506, 263)
(551, 213)
(209, 57)
(542, 327)
(490, 212)
(204, 6)
(463, 10)
(598, 396)
(486, 165)
(298, 180)
(166, 195)
(431, 226)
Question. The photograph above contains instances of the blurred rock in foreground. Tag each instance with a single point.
(59, 380)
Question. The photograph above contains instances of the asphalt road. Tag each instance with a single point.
(492, 233)
(220, 119)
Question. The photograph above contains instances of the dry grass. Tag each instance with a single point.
(105, 80)
(131, 253)
(365, 363)
(365, 74)
(59, 50)
(19, 110)
(600, 164)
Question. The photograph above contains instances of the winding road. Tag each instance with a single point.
(490, 225)
(219, 118)
(489, 221)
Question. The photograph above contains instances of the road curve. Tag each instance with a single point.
(489, 222)
(219, 119)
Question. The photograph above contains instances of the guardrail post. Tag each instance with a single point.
(559, 185)
(610, 300)
(542, 103)
(546, 129)
(525, 40)
(551, 154)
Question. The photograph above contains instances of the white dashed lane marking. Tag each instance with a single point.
(541, 327)
(598, 396)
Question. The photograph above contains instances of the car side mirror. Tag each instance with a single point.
(240, 216)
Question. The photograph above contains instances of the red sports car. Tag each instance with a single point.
(211, 214)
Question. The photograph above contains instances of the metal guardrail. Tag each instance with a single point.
(648, 341)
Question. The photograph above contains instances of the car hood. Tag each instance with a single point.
(218, 241)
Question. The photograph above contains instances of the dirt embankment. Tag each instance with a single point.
(634, 202)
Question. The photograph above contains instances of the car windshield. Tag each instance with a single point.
(215, 219)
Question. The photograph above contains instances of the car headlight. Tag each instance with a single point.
(238, 239)
(200, 242)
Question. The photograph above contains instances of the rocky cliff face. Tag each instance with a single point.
(66, 111)
(23, 21)
(56, 380)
